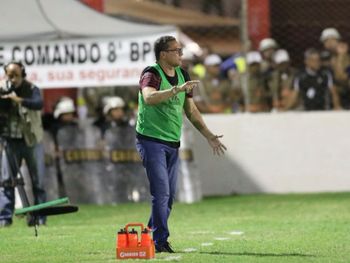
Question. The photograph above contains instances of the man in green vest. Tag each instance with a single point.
(165, 93)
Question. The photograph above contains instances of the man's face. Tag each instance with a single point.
(331, 44)
(14, 75)
(172, 55)
(116, 114)
(67, 117)
(213, 71)
(313, 62)
(268, 53)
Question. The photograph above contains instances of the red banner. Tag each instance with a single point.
(258, 21)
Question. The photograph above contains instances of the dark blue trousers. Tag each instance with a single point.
(18, 151)
(161, 164)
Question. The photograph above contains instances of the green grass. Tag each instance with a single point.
(276, 228)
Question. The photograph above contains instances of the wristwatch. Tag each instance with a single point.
(174, 90)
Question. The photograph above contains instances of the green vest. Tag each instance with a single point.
(163, 120)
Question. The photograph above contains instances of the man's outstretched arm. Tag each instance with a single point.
(197, 121)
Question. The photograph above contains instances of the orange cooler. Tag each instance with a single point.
(136, 246)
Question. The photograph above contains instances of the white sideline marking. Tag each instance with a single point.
(206, 244)
(236, 233)
(190, 249)
(173, 258)
(201, 232)
(221, 238)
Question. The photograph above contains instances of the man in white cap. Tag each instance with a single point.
(64, 110)
(114, 108)
(64, 116)
(267, 48)
(330, 38)
(280, 83)
(214, 93)
(340, 63)
(113, 114)
(257, 95)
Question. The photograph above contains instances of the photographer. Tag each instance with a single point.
(23, 134)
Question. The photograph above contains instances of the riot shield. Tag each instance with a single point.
(51, 181)
(125, 177)
(80, 161)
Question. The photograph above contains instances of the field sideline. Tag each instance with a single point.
(252, 228)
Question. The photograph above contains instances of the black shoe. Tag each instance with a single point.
(164, 248)
(5, 222)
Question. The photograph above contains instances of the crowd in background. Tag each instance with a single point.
(262, 80)
(265, 80)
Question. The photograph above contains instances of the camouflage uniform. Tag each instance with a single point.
(258, 96)
(280, 86)
(216, 95)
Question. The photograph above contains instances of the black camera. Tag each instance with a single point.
(5, 104)
(6, 88)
